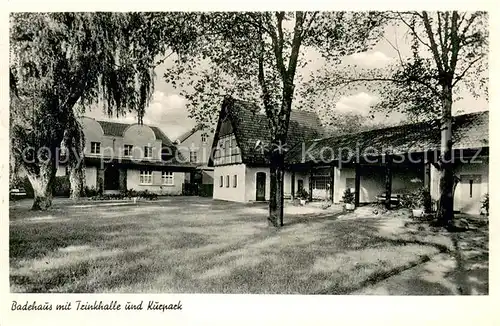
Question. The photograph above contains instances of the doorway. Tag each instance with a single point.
(260, 186)
(111, 178)
(300, 185)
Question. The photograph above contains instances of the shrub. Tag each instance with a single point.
(91, 192)
(61, 186)
(128, 193)
(302, 194)
(348, 196)
(420, 198)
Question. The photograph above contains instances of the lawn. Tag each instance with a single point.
(189, 244)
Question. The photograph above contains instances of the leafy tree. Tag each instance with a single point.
(449, 55)
(257, 56)
(347, 123)
(64, 63)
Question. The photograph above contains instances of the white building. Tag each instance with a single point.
(196, 145)
(241, 170)
(399, 159)
(122, 156)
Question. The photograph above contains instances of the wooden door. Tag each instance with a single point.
(260, 185)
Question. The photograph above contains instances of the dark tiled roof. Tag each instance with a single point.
(250, 126)
(469, 131)
(113, 128)
(116, 129)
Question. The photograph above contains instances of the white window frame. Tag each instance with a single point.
(148, 152)
(95, 147)
(128, 152)
(167, 178)
(146, 177)
(204, 138)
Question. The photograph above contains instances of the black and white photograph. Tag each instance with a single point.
(248, 152)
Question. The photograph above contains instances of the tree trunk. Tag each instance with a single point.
(446, 178)
(42, 181)
(74, 140)
(77, 182)
(276, 191)
(273, 194)
(280, 193)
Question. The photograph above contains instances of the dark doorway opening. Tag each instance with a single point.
(260, 186)
(111, 178)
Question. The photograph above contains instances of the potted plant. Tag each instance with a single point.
(302, 195)
(419, 202)
(348, 199)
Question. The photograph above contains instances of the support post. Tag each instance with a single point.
(356, 184)
(332, 180)
(292, 185)
(311, 184)
(123, 179)
(427, 176)
(388, 180)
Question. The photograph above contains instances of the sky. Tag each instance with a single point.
(167, 109)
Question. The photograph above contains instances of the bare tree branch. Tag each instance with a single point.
(455, 41)
(433, 45)
(459, 77)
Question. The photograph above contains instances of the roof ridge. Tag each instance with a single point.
(412, 124)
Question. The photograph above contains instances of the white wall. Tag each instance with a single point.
(112, 146)
(462, 200)
(230, 193)
(372, 181)
(133, 182)
(251, 181)
(288, 182)
(139, 136)
(194, 143)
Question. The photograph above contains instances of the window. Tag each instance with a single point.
(235, 181)
(228, 151)
(127, 150)
(167, 178)
(204, 138)
(148, 151)
(221, 183)
(193, 156)
(95, 147)
(320, 182)
(146, 177)
(227, 181)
